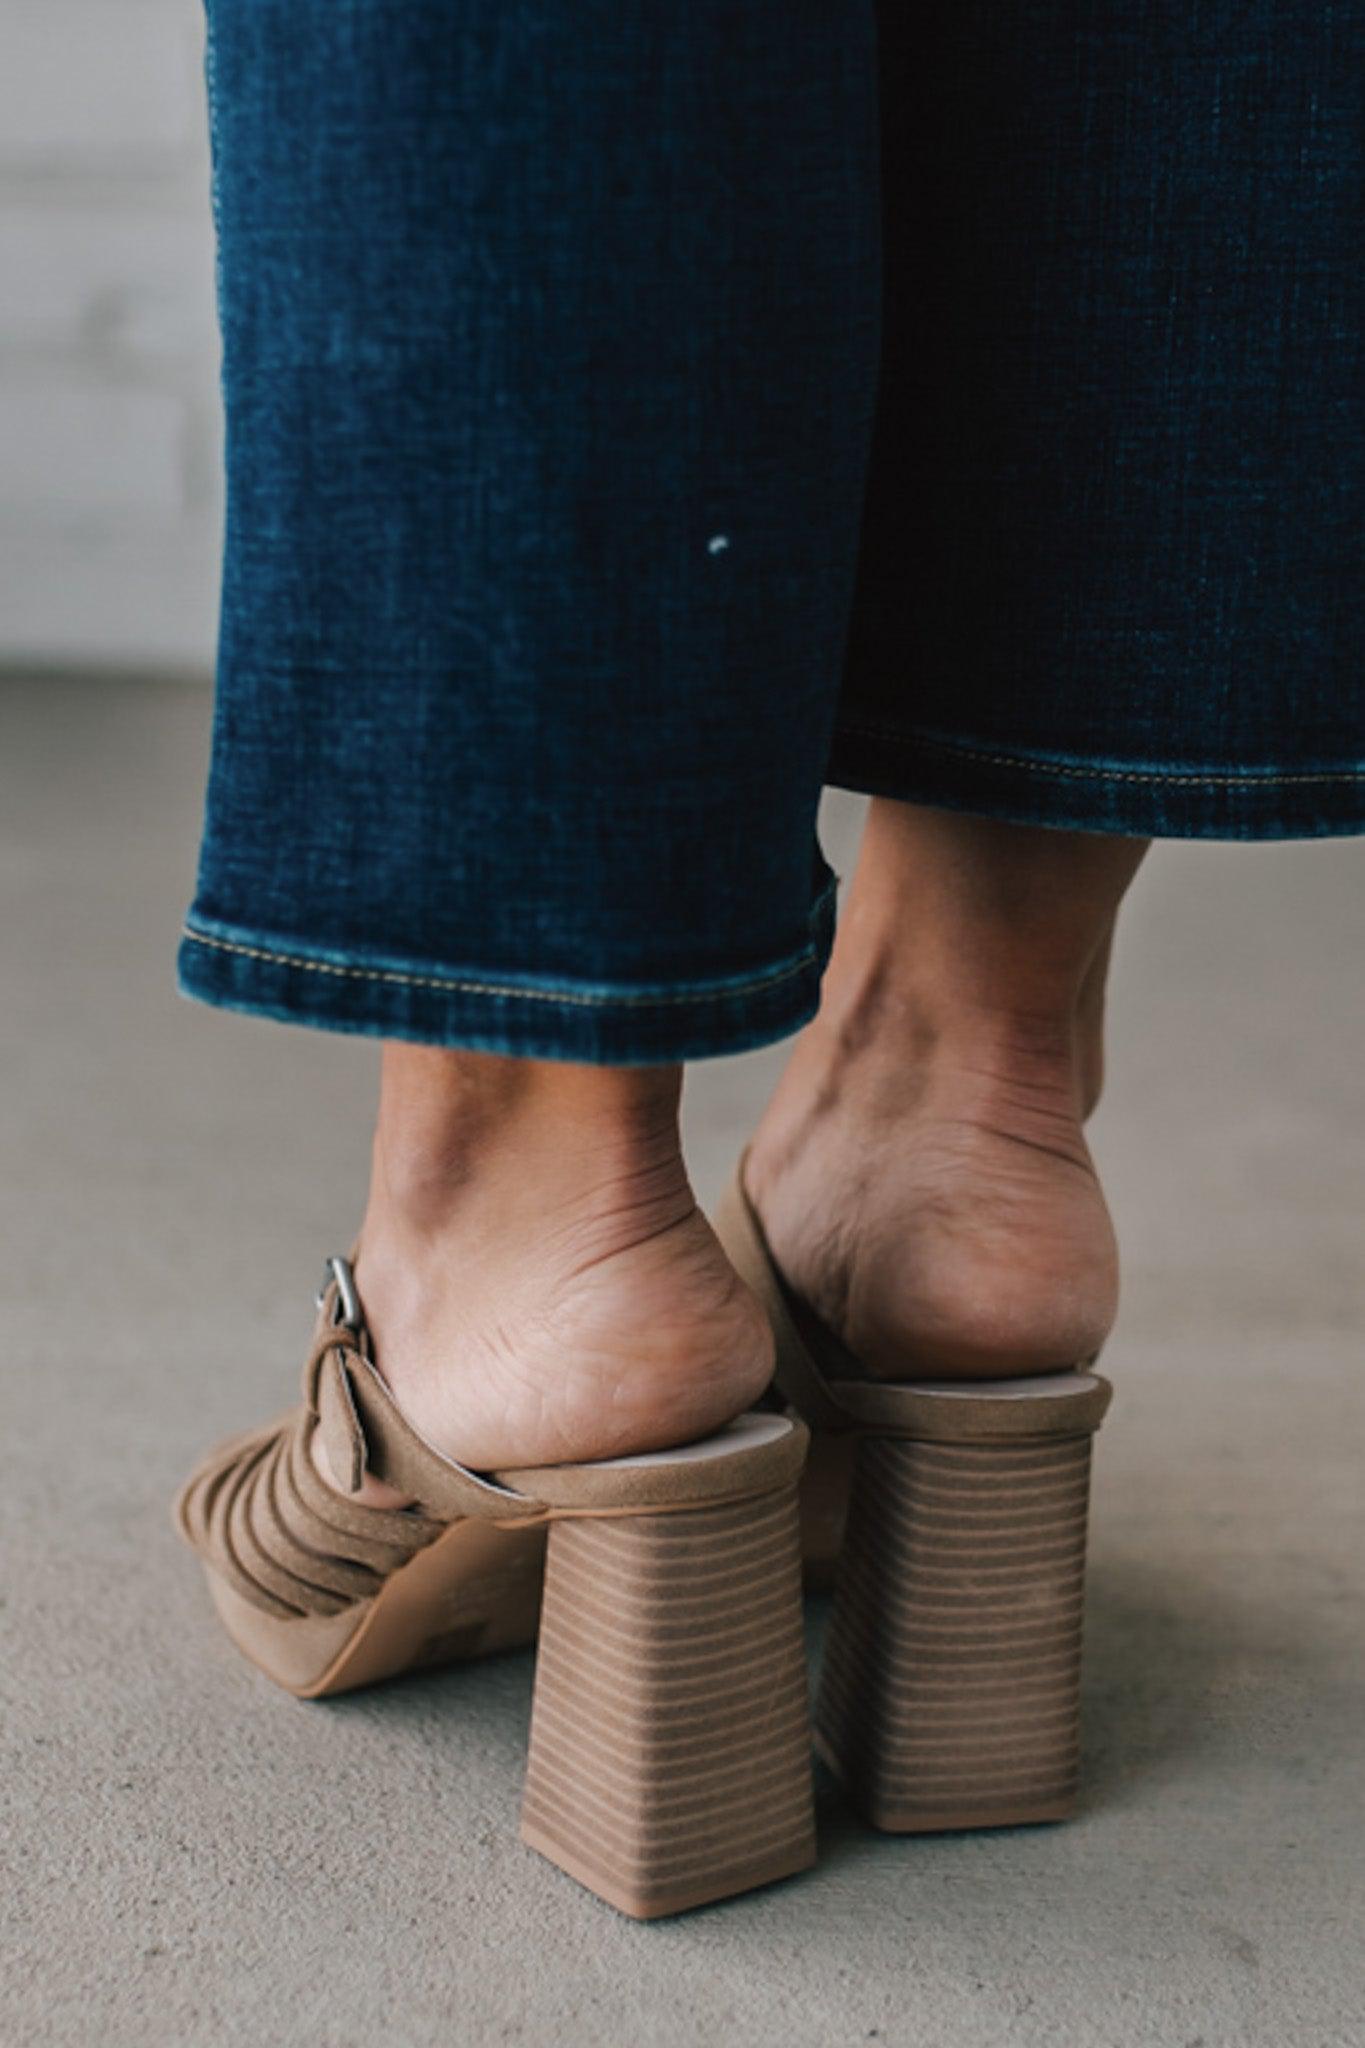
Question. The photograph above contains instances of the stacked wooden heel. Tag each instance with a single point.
(957, 1513)
(950, 1695)
(670, 1744)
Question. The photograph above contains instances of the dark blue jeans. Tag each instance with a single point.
(638, 417)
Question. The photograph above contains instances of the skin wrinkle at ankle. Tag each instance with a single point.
(452, 1123)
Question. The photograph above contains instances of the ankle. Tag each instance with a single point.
(458, 1132)
(881, 1011)
(862, 1078)
(971, 953)
(957, 926)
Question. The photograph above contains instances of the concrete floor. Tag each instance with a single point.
(195, 1859)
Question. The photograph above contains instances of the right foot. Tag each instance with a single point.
(948, 1219)
(922, 1171)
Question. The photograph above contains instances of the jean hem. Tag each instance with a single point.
(521, 1016)
(1139, 799)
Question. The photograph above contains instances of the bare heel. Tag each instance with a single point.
(669, 1758)
(950, 1691)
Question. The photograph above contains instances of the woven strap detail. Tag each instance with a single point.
(260, 1514)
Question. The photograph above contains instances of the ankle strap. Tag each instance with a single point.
(363, 1430)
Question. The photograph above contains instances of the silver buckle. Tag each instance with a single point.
(346, 1310)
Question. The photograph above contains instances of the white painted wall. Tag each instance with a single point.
(109, 418)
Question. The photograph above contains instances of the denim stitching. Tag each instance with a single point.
(1247, 781)
(490, 988)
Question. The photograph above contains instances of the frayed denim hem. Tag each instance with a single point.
(521, 1016)
(1143, 800)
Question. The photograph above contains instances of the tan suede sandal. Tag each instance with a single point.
(950, 1694)
(669, 1759)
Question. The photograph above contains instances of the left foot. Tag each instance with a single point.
(539, 1283)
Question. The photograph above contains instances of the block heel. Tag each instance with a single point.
(950, 1693)
(669, 1760)
(670, 1741)
(951, 1684)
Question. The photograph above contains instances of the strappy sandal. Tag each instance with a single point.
(669, 1758)
(950, 1693)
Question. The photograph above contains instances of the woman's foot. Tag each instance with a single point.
(539, 1283)
(922, 1171)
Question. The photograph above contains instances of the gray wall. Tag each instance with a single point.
(109, 419)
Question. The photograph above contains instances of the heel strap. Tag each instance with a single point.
(818, 1375)
(798, 1376)
(363, 1430)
